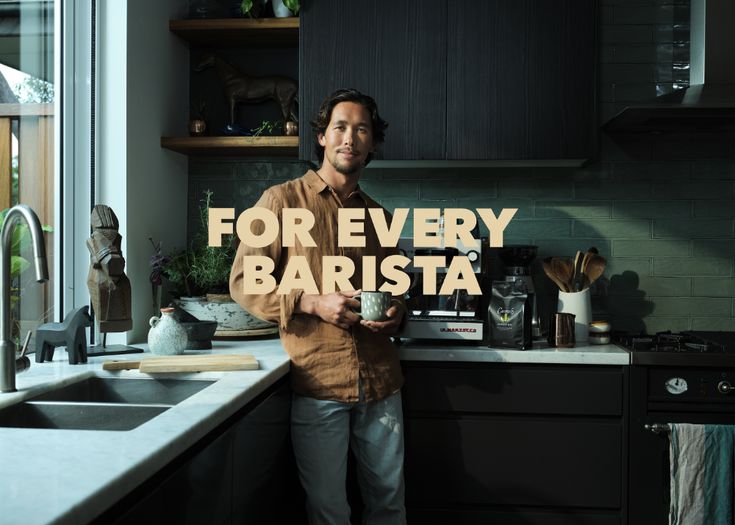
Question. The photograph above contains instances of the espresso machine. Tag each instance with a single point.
(517, 261)
(455, 317)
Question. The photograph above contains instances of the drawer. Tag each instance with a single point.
(518, 462)
(514, 389)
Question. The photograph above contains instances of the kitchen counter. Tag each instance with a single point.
(413, 350)
(71, 476)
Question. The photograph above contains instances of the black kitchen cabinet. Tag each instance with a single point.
(521, 80)
(393, 51)
(515, 444)
(242, 472)
(265, 487)
(461, 79)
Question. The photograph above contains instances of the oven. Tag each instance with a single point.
(674, 378)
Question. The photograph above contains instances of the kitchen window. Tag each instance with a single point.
(45, 146)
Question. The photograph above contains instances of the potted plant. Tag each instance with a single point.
(200, 276)
(268, 127)
(281, 8)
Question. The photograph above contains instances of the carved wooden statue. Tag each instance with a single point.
(239, 87)
(108, 285)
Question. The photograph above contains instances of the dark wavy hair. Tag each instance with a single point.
(320, 123)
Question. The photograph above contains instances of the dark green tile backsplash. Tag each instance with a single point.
(659, 208)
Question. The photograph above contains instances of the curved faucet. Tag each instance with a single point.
(7, 346)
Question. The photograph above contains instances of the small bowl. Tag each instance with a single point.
(200, 334)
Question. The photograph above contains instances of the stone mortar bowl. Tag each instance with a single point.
(200, 334)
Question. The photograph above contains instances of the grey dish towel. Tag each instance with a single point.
(702, 474)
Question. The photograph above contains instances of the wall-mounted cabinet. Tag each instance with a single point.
(521, 80)
(393, 51)
(459, 80)
(256, 47)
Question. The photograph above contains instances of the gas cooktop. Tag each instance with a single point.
(691, 348)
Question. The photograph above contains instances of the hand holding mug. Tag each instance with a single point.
(336, 308)
(380, 312)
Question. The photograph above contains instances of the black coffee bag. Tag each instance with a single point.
(509, 315)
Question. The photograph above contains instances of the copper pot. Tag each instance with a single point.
(197, 127)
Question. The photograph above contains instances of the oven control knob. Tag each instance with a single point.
(676, 385)
(473, 256)
(724, 387)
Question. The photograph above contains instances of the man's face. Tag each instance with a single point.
(348, 139)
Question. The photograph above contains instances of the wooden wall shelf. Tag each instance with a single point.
(238, 31)
(234, 146)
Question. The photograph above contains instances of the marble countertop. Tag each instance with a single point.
(413, 350)
(71, 476)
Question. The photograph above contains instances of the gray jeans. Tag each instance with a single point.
(322, 431)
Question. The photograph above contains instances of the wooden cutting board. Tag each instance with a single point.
(187, 363)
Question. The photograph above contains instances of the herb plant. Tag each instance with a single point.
(201, 268)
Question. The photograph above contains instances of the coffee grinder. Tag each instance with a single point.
(517, 260)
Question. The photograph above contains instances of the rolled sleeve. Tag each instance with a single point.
(288, 306)
(269, 306)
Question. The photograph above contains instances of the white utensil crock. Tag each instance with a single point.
(579, 304)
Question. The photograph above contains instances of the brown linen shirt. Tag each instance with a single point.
(326, 360)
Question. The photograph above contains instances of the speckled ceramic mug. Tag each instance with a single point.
(373, 305)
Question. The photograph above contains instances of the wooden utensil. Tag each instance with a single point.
(187, 363)
(577, 279)
(595, 268)
(583, 274)
(585, 260)
(548, 269)
(564, 270)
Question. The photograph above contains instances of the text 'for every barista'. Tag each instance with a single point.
(337, 269)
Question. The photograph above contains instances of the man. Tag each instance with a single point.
(345, 372)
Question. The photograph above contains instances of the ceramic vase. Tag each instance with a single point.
(280, 10)
(166, 336)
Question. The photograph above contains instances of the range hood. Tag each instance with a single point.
(708, 104)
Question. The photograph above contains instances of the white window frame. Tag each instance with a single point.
(73, 151)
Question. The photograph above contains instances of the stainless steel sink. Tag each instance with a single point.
(78, 416)
(138, 391)
(101, 403)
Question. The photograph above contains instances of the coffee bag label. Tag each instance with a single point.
(509, 315)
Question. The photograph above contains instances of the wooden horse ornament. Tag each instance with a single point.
(239, 87)
(70, 333)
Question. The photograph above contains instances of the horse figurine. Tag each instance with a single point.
(70, 333)
(239, 87)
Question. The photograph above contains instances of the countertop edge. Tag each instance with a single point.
(583, 355)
